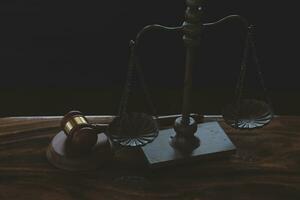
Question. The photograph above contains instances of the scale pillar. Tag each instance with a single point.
(186, 126)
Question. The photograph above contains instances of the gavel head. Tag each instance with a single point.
(80, 133)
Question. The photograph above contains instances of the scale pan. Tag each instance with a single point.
(252, 114)
(133, 129)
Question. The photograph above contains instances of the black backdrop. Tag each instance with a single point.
(61, 55)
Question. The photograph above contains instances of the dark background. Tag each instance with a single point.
(61, 55)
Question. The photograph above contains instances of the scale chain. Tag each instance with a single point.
(240, 83)
(259, 70)
(134, 73)
(128, 84)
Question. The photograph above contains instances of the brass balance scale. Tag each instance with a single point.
(82, 145)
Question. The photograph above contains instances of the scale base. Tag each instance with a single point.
(213, 142)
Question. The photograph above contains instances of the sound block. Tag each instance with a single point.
(213, 142)
(58, 155)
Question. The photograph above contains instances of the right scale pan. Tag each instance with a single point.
(249, 114)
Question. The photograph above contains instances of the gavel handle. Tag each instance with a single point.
(163, 121)
(100, 127)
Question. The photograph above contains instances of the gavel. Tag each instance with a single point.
(81, 134)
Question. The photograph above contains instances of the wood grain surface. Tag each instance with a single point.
(266, 166)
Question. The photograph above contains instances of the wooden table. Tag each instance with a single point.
(266, 166)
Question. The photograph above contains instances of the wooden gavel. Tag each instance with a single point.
(81, 134)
